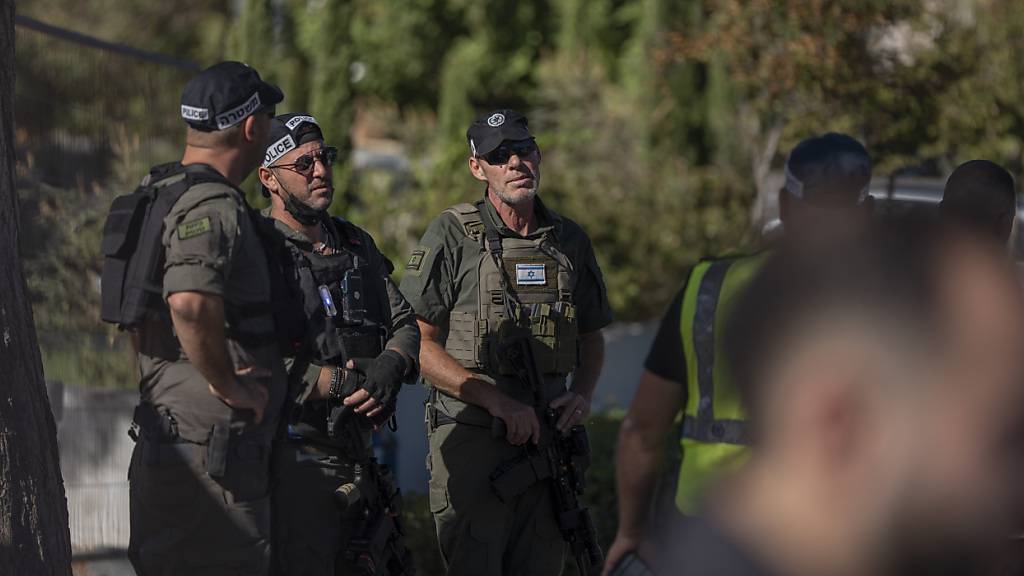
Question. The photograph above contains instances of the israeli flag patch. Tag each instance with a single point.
(530, 275)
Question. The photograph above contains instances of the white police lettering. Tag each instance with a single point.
(496, 120)
(236, 115)
(278, 149)
(530, 275)
(193, 113)
(294, 122)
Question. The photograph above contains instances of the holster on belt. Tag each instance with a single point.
(153, 425)
(217, 451)
(515, 476)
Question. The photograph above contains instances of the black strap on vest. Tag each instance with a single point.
(132, 246)
(492, 240)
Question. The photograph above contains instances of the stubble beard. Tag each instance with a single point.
(518, 196)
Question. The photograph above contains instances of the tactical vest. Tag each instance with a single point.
(132, 245)
(346, 313)
(131, 284)
(344, 301)
(542, 278)
(714, 435)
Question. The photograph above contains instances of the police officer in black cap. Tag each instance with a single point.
(825, 194)
(501, 272)
(212, 380)
(360, 344)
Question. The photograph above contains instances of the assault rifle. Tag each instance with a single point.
(376, 546)
(560, 459)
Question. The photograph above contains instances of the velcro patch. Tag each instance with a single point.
(416, 261)
(530, 275)
(194, 228)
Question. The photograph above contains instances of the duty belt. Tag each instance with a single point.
(160, 443)
(470, 416)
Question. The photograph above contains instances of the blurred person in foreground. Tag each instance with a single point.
(980, 196)
(360, 344)
(826, 192)
(212, 380)
(884, 385)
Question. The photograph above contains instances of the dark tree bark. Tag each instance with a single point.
(34, 537)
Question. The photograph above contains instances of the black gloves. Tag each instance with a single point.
(384, 375)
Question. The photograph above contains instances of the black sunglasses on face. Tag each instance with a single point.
(304, 164)
(502, 153)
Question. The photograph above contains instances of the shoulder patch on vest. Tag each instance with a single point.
(194, 228)
(417, 258)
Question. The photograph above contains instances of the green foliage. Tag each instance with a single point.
(659, 121)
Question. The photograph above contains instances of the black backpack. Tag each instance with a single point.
(133, 255)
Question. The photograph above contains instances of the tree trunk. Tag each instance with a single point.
(34, 537)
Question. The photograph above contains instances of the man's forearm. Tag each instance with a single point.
(450, 377)
(199, 324)
(584, 381)
(405, 337)
(637, 465)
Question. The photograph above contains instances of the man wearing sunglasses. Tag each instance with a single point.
(485, 278)
(361, 344)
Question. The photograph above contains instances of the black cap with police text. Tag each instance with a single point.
(288, 132)
(224, 95)
(833, 165)
(488, 131)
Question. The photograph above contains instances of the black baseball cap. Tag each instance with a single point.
(288, 132)
(225, 94)
(488, 131)
(833, 165)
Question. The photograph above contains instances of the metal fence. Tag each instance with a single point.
(85, 108)
(90, 117)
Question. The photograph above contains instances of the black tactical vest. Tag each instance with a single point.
(346, 310)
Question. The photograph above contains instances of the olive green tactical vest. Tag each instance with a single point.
(714, 435)
(542, 277)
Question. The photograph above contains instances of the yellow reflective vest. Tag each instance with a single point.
(714, 435)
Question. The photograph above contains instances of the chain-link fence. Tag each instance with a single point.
(90, 117)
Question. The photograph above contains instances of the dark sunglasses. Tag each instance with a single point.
(502, 153)
(304, 164)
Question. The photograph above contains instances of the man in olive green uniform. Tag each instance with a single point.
(548, 280)
(360, 344)
(211, 376)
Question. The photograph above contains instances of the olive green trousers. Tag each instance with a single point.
(185, 522)
(477, 532)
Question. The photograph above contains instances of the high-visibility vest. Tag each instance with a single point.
(714, 435)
